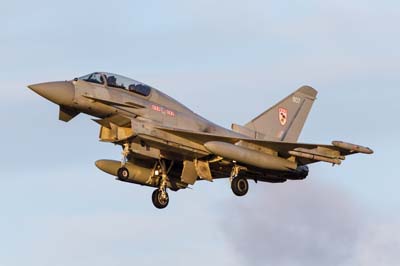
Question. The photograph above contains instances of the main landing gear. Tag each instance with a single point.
(239, 184)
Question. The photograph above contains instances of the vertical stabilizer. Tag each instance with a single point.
(285, 120)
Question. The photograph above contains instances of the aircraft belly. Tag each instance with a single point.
(177, 148)
(144, 150)
(173, 151)
(223, 170)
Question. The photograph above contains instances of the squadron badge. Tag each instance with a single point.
(283, 116)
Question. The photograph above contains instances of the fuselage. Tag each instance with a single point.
(109, 96)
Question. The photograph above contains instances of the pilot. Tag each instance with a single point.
(101, 79)
(112, 81)
(132, 87)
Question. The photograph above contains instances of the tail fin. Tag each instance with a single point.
(285, 120)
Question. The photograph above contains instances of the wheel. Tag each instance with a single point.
(240, 186)
(123, 173)
(158, 200)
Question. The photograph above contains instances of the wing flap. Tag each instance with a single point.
(315, 157)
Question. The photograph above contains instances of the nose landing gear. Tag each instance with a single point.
(160, 196)
(123, 172)
(160, 201)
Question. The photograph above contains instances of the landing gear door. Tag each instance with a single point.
(189, 173)
(203, 170)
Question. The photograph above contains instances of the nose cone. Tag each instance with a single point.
(61, 92)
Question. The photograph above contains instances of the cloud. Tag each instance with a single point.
(308, 224)
(378, 245)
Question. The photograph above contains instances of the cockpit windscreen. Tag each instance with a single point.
(118, 81)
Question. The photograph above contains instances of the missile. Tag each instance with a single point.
(315, 157)
(352, 147)
(249, 157)
(333, 155)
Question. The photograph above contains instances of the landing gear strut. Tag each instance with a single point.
(160, 196)
(123, 172)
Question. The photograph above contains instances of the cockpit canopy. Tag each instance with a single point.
(118, 81)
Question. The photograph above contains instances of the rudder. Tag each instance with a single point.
(285, 120)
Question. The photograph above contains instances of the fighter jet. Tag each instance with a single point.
(167, 146)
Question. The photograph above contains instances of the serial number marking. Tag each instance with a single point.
(296, 99)
(163, 110)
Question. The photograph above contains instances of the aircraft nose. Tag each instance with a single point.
(60, 92)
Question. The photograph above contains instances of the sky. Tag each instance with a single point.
(228, 61)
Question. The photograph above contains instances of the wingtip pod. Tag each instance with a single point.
(352, 147)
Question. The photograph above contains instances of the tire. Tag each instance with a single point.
(240, 186)
(123, 173)
(158, 201)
